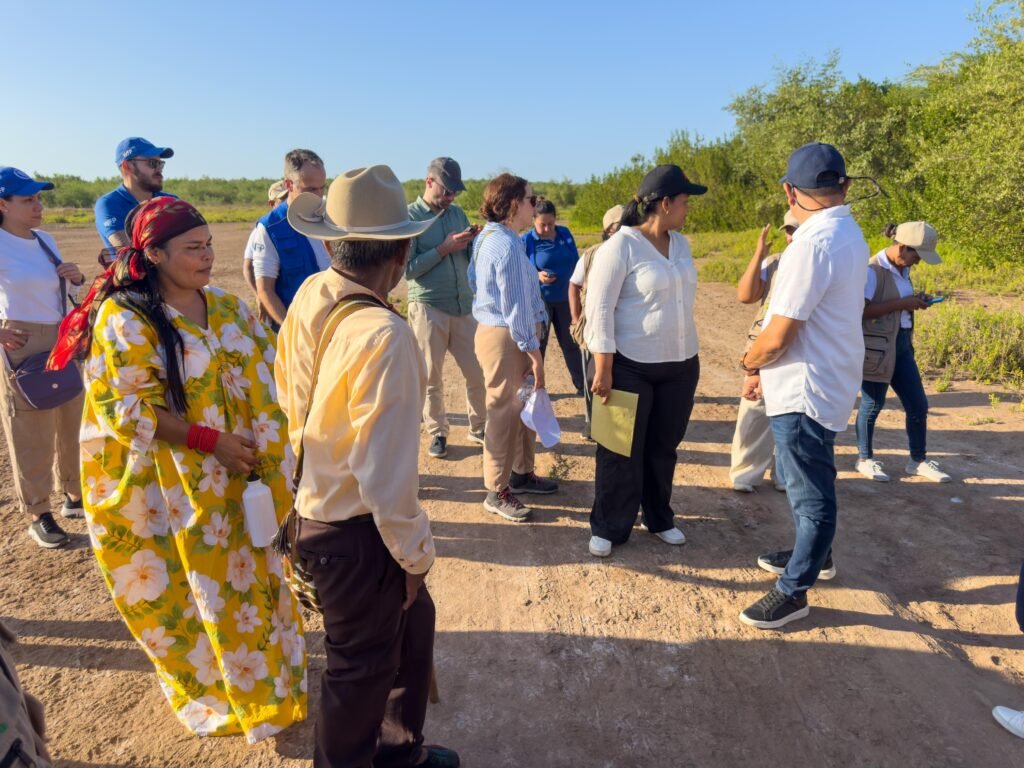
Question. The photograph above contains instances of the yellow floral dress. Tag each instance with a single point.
(212, 612)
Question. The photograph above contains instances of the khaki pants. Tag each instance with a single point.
(42, 445)
(436, 333)
(508, 445)
(753, 446)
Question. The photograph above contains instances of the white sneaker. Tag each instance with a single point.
(672, 536)
(1010, 719)
(600, 547)
(872, 470)
(929, 470)
(743, 487)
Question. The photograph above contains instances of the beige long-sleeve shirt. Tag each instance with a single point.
(361, 440)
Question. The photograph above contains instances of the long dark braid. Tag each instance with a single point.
(143, 297)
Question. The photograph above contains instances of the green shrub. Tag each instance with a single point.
(971, 341)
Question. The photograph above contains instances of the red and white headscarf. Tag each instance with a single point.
(152, 223)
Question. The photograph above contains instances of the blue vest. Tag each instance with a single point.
(296, 254)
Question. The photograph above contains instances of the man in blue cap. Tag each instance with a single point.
(142, 178)
(807, 363)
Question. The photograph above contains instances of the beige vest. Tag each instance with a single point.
(576, 329)
(880, 332)
(771, 266)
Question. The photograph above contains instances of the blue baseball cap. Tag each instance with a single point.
(814, 166)
(136, 146)
(15, 182)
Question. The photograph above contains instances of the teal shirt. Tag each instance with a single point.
(440, 281)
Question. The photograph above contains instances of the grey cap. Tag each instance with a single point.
(448, 172)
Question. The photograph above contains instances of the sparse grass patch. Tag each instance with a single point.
(955, 340)
(561, 467)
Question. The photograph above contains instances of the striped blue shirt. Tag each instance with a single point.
(505, 286)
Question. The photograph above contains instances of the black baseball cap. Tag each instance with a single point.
(667, 181)
(448, 172)
(815, 165)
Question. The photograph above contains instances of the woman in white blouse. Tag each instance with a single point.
(640, 331)
(42, 444)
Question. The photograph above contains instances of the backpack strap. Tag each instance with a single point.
(344, 308)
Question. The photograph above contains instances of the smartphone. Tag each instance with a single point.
(472, 229)
(935, 300)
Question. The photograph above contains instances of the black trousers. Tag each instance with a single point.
(559, 320)
(373, 698)
(625, 484)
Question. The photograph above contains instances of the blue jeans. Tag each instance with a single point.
(906, 383)
(805, 451)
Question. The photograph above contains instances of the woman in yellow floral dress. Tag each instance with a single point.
(180, 407)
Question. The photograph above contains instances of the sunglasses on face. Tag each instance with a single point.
(152, 162)
(445, 192)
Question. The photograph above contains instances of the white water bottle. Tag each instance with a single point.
(260, 514)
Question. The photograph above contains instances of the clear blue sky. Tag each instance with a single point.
(544, 89)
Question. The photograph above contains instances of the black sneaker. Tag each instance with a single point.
(504, 504)
(438, 447)
(440, 757)
(476, 436)
(46, 533)
(775, 562)
(530, 483)
(775, 610)
(72, 508)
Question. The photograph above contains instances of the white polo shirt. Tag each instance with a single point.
(821, 282)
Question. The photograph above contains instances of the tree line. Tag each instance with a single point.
(946, 144)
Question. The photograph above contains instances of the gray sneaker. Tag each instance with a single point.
(46, 533)
(530, 483)
(476, 436)
(72, 508)
(438, 447)
(504, 504)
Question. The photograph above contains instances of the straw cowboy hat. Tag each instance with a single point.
(362, 204)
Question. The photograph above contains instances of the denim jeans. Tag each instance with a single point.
(1020, 599)
(805, 451)
(906, 383)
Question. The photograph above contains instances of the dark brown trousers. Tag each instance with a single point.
(373, 694)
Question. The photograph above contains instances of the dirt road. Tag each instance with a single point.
(548, 657)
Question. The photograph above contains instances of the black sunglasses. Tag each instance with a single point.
(152, 162)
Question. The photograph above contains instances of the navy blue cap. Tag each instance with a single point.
(15, 182)
(136, 146)
(814, 166)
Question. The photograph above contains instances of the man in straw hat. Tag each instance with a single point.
(276, 194)
(753, 447)
(354, 424)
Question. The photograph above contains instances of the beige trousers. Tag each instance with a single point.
(508, 445)
(436, 333)
(42, 445)
(753, 446)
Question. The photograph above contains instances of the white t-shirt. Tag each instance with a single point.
(577, 274)
(29, 286)
(638, 302)
(820, 281)
(902, 276)
(266, 262)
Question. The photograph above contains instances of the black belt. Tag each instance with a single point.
(357, 520)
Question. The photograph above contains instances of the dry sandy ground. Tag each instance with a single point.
(547, 657)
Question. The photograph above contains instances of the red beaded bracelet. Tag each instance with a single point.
(203, 439)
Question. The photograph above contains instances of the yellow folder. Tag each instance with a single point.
(614, 421)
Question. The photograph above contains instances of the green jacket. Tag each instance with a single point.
(440, 281)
